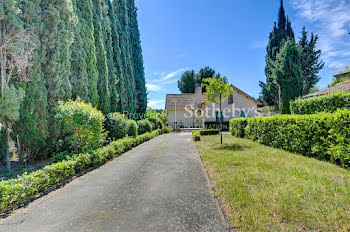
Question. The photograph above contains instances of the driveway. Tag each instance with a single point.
(158, 186)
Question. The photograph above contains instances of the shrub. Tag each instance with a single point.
(61, 156)
(209, 132)
(116, 125)
(325, 136)
(217, 125)
(86, 123)
(144, 126)
(327, 103)
(18, 190)
(237, 126)
(196, 135)
(132, 128)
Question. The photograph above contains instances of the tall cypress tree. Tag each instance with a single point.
(282, 31)
(129, 90)
(141, 92)
(112, 69)
(32, 126)
(57, 36)
(102, 85)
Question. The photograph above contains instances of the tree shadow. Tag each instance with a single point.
(230, 147)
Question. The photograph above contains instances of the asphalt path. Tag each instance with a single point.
(158, 186)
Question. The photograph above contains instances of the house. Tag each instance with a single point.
(343, 86)
(190, 110)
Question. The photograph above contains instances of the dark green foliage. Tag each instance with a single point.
(18, 190)
(217, 125)
(322, 135)
(102, 85)
(237, 126)
(209, 132)
(282, 31)
(205, 72)
(132, 128)
(141, 92)
(310, 63)
(144, 126)
(196, 136)
(288, 75)
(187, 82)
(116, 125)
(327, 103)
(3, 144)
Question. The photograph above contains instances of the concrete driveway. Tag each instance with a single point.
(158, 186)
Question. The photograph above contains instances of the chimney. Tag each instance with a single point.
(198, 96)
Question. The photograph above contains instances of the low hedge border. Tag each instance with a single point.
(325, 136)
(19, 192)
(237, 126)
(196, 135)
(328, 103)
(217, 125)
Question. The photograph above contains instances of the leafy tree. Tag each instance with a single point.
(288, 74)
(141, 92)
(86, 123)
(102, 85)
(204, 73)
(282, 31)
(310, 63)
(187, 82)
(217, 91)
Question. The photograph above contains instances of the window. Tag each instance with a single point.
(230, 99)
(218, 118)
(242, 115)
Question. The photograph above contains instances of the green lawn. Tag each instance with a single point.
(266, 189)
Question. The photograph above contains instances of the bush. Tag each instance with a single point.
(327, 103)
(209, 132)
(144, 126)
(18, 190)
(237, 126)
(217, 125)
(196, 135)
(85, 121)
(116, 125)
(61, 156)
(325, 136)
(132, 128)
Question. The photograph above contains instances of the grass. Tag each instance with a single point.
(266, 189)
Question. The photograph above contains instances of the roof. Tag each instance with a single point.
(182, 100)
(345, 72)
(344, 86)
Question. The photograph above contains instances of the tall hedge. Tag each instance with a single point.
(325, 136)
(327, 103)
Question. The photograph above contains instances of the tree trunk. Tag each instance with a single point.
(19, 151)
(7, 151)
(221, 116)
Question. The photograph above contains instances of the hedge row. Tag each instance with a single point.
(196, 135)
(325, 136)
(16, 191)
(217, 125)
(237, 126)
(328, 103)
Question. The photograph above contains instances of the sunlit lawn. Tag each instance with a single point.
(266, 189)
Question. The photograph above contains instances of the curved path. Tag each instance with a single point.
(158, 186)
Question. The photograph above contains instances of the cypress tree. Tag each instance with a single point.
(282, 31)
(141, 92)
(102, 85)
(112, 69)
(57, 36)
(129, 88)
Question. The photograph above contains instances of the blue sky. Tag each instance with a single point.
(231, 37)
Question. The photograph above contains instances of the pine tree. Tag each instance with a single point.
(117, 56)
(103, 91)
(282, 31)
(112, 71)
(57, 36)
(310, 63)
(129, 88)
(141, 91)
(187, 82)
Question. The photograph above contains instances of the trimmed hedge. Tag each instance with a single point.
(17, 191)
(237, 126)
(217, 125)
(144, 126)
(325, 136)
(196, 135)
(209, 132)
(327, 103)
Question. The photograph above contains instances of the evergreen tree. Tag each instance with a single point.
(282, 31)
(103, 90)
(141, 92)
(204, 73)
(57, 36)
(187, 82)
(112, 69)
(310, 63)
(128, 92)
(288, 74)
